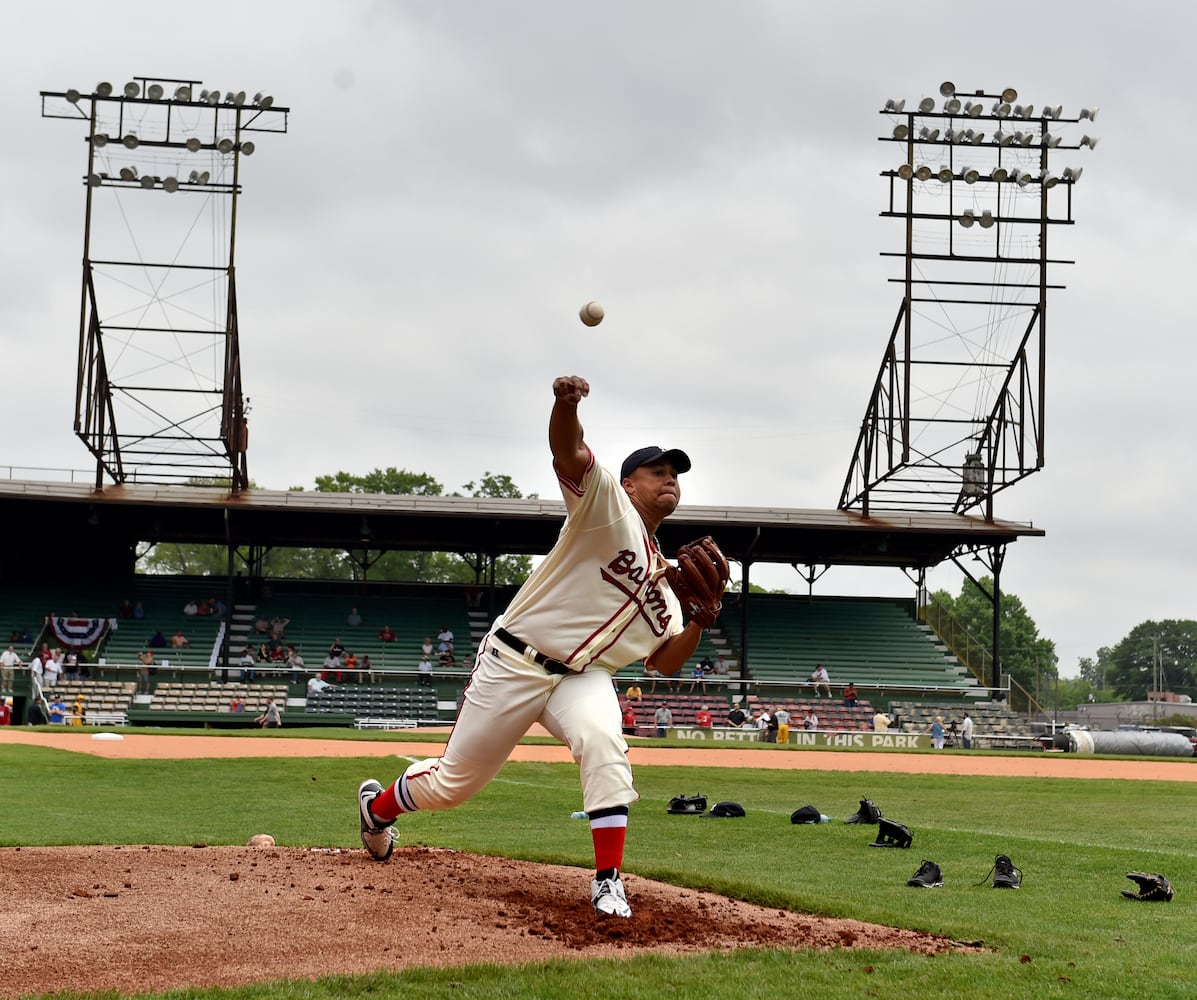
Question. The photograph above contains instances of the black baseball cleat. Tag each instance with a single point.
(377, 838)
(1005, 875)
(892, 834)
(867, 813)
(927, 877)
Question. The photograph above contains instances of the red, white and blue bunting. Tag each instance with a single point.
(79, 632)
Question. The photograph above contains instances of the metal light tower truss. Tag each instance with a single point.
(957, 412)
(158, 394)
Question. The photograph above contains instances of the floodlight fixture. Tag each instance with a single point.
(93, 180)
(947, 89)
(890, 105)
(128, 173)
(986, 220)
(132, 89)
(239, 100)
(923, 173)
(1009, 95)
(183, 93)
(1090, 113)
(952, 106)
(1090, 141)
(927, 105)
(213, 96)
(999, 174)
(1001, 109)
(225, 145)
(901, 131)
(1020, 177)
(104, 89)
(1072, 174)
(148, 181)
(945, 175)
(976, 138)
(1050, 112)
(1049, 140)
(928, 134)
(72, 95)
(263, 101)
(196, 177)
(171, 184)
(130, 141)
(1024, 110)
(971, 175)
(154, 92)
(99, 139)
(973, 109)
(967, 218)
(1003, 138)
(1048, 179)
(1024, 138)
(247, 148)
(193, 144)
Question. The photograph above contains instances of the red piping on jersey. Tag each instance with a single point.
(569, 484)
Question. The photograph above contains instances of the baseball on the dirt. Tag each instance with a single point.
(591, 314)
(261, 840)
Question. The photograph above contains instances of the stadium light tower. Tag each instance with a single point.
(158, 395)
(957, 411)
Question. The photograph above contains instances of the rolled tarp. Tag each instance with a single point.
(1129, 742)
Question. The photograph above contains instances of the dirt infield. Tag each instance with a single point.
(155, 918)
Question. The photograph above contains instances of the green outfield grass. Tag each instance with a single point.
(1067, 933)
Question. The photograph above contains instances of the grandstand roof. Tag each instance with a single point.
(155, 513)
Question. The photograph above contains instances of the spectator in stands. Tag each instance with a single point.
(966, 732)
(138, 612)
(445, 639)
(850, 695)
(58, 711)
(427, 647)
(766, 726)
(295, 664)
(367, 669)
(145, 660)
(880, 722)
(353, 619)
(663, 717)
(387, 634)
(337, 648)
(125, 611)
(721, 667)
(782, 718)
(262, 626)
(70, 665)
(628, 720)
(24, 636)
(263, 653)
(191, 608)
(219, 609)
(52, 668)
(812, 721)
(278, 627)
(634, 692)
(703, 717)
(247, 663)
(9, 661)
(316, 685)
(157, 640)
(937, 733)
(237, 704)
(699, 676)
(446, 659)
(736, 717)
(820, 679)
(205, 609)
(350, 665)
(425, 669)
(36, 675)
(179, 641)
(272, 717)
(331, 668)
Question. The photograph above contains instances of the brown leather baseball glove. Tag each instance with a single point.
(699, 580)
(1153, 888)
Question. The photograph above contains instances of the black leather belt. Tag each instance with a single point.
(551, 665)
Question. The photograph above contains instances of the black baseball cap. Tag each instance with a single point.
(650, 456)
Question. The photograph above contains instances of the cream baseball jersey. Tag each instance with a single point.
(611, 604)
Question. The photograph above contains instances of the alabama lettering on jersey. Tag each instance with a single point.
(612, 604)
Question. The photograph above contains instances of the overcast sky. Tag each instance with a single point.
(459, 178)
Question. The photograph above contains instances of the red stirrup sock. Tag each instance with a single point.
(609, 828)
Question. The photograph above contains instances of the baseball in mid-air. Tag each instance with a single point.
(591, 314)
